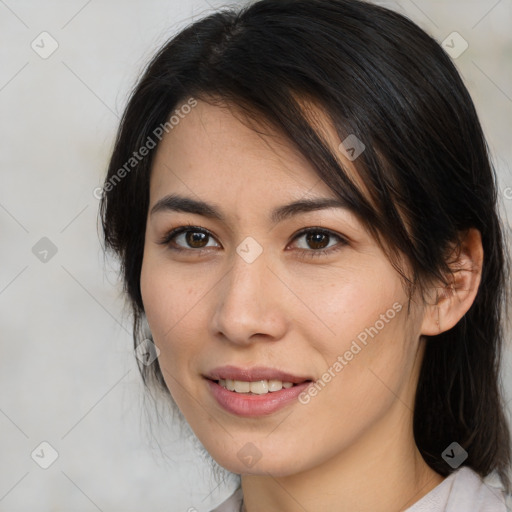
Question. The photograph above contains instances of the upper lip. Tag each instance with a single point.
(253, 374)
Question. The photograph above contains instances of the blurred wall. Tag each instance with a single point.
(68, 376)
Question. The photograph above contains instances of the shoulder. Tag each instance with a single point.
(464, 490)
(232, 504)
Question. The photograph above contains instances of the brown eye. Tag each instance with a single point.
(196, 239)
(189, 238)
(317, 240)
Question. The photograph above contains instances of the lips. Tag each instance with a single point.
(249, 404)
(254, 374)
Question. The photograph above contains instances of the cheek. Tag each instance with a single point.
(369, 347)
(165, 304)
(354, 302)
(165, 296)
(173, 305)
(159, 297)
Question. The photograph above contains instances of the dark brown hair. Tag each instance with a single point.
(426, 169)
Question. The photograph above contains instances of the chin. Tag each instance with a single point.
(250, 460)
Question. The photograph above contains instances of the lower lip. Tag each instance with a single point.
(255, 405)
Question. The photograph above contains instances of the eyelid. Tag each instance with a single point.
(318, 229)
(315, 253)
(173, 233)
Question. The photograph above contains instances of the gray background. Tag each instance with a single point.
(68, 375)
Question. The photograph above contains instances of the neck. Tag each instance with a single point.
(382, 471)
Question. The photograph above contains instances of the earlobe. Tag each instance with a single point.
(451, 301)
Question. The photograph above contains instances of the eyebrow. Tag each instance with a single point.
(177, 203)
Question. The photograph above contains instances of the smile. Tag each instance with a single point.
(257, 391)
(258, 387)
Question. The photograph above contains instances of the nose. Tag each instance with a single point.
(250, 304)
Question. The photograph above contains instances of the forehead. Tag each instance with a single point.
(213, 151)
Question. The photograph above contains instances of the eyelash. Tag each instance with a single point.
(308, 253)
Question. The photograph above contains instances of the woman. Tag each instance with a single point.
(302, 202)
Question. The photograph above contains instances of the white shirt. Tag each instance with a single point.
(462, 491)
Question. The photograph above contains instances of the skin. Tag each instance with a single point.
(351, 448)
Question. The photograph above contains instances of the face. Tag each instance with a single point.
(245, 297)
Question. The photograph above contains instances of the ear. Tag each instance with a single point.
(447, 304)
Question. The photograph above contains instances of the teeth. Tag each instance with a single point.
(275, 385)
(242, 387)
(259, 387)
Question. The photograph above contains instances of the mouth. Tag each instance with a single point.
(257, 387)
(255, 391)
